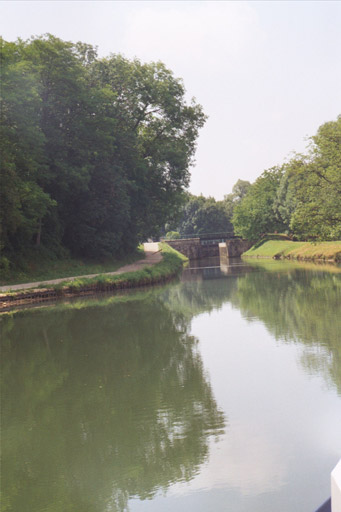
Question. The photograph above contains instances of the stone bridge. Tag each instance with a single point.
(203, 246)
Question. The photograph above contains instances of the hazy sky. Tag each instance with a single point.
(268, 74)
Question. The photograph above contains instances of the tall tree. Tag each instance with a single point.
(156, 131)
(204, 215)
(255, 215)
(239, 190)
(318, 186)
(96, 152)
(23, 201)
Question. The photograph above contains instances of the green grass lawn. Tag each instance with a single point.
(328, 251)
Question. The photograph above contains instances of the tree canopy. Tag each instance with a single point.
(255, 215)
(201, 214)
(95, 152)
(316, 180)
(302, 197)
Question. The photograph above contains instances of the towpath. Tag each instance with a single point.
(152, 256)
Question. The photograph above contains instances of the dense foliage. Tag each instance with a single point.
(255, 215)
(303, 197)
(239, 190)
(95, 152)
(201, 214)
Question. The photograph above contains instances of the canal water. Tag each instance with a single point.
(218, 392)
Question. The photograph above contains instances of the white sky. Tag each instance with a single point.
(268, 74)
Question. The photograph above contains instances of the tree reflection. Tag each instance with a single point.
(301, 306)
(297, 303)
(99, 405)
(190, 298)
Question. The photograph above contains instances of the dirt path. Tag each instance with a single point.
(152, 252)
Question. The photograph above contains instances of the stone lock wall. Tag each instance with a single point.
(190, 247)
(195, 250)
(233, 248)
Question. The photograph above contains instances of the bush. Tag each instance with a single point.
(4, 267)
(173, 235)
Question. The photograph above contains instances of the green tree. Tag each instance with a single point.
(23, 202)
(286, 199)
(156, 134)
(204, 215)
(239, 190)
(317, 182)
(255, 214)
(96, 152)
(303, 196)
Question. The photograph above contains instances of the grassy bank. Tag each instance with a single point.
(286, 249)
(38, 268)
(171, 264)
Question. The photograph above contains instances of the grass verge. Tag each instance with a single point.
(171, 264)
(285, 249)
(44, 269)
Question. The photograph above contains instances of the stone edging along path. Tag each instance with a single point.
(29, 292)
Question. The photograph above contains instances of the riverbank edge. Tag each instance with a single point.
(38, 268)
(168, 268)
(302, 251)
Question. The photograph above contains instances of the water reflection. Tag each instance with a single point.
(101, 404)
(247, 461)
(298, 302)
(298, 305)
(108, 400)
(215, 268)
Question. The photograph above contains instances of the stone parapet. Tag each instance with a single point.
(233, 248)
(193, 248)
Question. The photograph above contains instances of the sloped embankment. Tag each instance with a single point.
(286, 249)
(168, 267)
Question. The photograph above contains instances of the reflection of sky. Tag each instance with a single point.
(283, 424)
(244, 460)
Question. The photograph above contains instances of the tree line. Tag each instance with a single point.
(200, 214)
(95, 151)
(301, 198)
